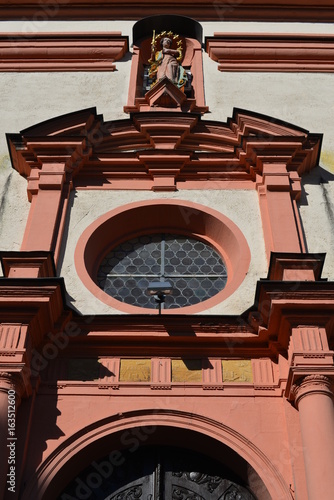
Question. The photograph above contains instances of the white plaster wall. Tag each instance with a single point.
(239, 206)
(14, 206)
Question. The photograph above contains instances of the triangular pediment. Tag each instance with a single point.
(165, 95)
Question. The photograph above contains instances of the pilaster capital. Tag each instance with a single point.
(7, 380)
(311, 384)
(51, 175)
(13, 381)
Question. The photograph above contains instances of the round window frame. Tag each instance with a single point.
(169, 216)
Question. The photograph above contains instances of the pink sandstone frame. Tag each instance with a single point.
(174, 216)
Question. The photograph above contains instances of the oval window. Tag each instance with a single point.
(194, 269)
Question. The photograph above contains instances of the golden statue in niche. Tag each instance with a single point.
(166, 62)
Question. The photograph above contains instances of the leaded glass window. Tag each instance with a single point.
(195, 270)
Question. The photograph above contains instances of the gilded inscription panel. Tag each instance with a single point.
(135, 370)
(189, 370)
(237, 370)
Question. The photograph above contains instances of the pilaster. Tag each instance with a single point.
(282, 232)
(314, 400)
(310, 388)
(12, 388)
(43, 220)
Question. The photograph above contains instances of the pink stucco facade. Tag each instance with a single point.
(83, 395)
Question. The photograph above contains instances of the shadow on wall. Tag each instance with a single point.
(317, 177)
(322, 205)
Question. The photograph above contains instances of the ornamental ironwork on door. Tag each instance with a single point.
(159, 473)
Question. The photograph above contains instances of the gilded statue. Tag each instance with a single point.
(166, 62)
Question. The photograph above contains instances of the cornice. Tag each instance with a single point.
(61, 51)
(282, 305)
(272, 52)
(38, 303)
(107, 154)
(40, 264)
(246, 10)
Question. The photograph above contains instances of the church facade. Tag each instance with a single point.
(166, 224)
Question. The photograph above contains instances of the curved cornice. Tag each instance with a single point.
(96, 152)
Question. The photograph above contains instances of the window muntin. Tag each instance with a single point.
(195, 270)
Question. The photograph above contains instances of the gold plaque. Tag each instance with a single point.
(188, 370)
(135, 370)
(237, 370)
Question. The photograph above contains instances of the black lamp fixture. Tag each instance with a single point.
(159, 289)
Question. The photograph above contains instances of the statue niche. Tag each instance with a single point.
(166, 68)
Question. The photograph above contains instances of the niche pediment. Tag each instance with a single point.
(165, 95)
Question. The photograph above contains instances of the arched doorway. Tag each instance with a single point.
(203, 444)
(157, 473)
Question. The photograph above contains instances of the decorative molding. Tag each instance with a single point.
(164, 168)
(17, 381)
(39, 303)
(295, 266)
(161, 373)
(309, 340)
(107, 154)
(213, 387)
(311, 384)
(161, 387)
(27, 264)
(163, 95)
(309, 358)
(11, 337)
(285, 305)
(246, 10)
(212, 374)
(61, 51)
(263, 377)
(272, 52)
(7, 380)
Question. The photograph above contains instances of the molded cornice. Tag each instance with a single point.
(245, 10)
(111, 155)
(61, 51)
(38, 303)
(267, 52)
(282, 305)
